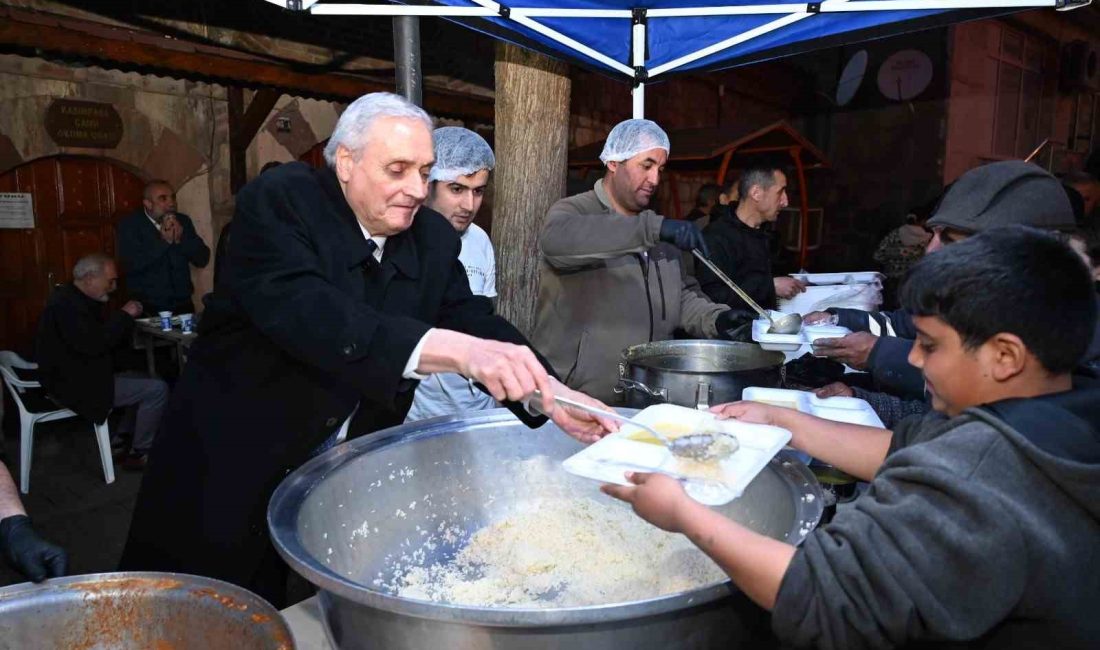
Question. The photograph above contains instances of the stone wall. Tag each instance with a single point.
(172, 129)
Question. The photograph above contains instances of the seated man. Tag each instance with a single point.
(157, 247)
(981, 522)
(611, 274)
(742, 249)
(75, 345)
(463, 162)
(20, 546)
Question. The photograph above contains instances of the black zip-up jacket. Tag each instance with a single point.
(741, 252)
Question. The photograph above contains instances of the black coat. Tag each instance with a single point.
(292, 339)
(742, 253)
(74, 349)
(158, 273)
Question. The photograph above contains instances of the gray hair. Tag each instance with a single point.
(91, 265)
(352, 127)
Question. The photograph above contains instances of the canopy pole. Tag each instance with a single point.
(637, 49)
(406, 58)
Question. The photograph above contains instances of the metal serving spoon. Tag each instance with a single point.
(702, 447)
(786, 324)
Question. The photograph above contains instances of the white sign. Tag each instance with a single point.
(16, 210)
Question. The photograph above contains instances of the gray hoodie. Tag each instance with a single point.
(978, 531)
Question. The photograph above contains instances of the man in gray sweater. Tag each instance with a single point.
(981, 524)
(611, 270)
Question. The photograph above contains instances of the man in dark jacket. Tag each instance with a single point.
(343, 293)
(741, 248)
(157, 247)
(998, 194)
(980, 525)
(75, 349)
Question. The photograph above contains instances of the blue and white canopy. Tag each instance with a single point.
(642, 40)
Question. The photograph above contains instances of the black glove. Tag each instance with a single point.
(735, 325)
(684, 235)
(28, 553)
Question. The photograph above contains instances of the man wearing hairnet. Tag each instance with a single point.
(611, 270)
(463, 162)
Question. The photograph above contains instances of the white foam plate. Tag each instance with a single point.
(790, 342)
(839, 409)
(854, 277)
(711, 484)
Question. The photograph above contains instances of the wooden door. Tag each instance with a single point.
(77, 202)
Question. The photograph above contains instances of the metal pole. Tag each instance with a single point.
(637, 35)
(406, 58)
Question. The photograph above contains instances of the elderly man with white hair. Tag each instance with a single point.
(611, 271)
(457, 184)
(344, 292)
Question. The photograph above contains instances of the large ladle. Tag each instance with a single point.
(785, 324)
(702, 447)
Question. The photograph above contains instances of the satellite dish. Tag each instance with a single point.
(905, 75)
(851, 77)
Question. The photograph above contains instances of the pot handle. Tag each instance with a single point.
(624, 385)
(702, 396)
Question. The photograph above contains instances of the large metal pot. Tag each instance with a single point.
(696, 374)
(138, 611)
(459, 462)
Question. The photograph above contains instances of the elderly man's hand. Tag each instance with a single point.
(657, 498)
(509, 372)
(852, 350)
(579, 424)
(133, 308)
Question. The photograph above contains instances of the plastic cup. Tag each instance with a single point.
(165, 321)
(185, 323)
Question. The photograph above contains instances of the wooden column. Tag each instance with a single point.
(531, 146)
(244, 124)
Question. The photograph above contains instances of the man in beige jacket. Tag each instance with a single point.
(611, 272)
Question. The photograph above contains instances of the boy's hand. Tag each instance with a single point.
(751, 412)
(657, 498)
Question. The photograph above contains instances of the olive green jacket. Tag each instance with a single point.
(607, 283)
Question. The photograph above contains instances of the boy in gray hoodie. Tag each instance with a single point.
(981, 524)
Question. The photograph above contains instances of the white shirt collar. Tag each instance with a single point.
(379, 241)
(151, 219)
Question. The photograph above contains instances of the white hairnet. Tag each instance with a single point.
(631, 137)
(459, 152)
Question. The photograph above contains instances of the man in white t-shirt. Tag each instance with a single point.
(463, 162)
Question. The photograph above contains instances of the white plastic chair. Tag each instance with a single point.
(9, 361)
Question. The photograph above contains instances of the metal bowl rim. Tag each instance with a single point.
(628, 354)
(14, 594)
(296, 487)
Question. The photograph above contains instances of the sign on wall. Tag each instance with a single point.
(16, 210)
(76, 123)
